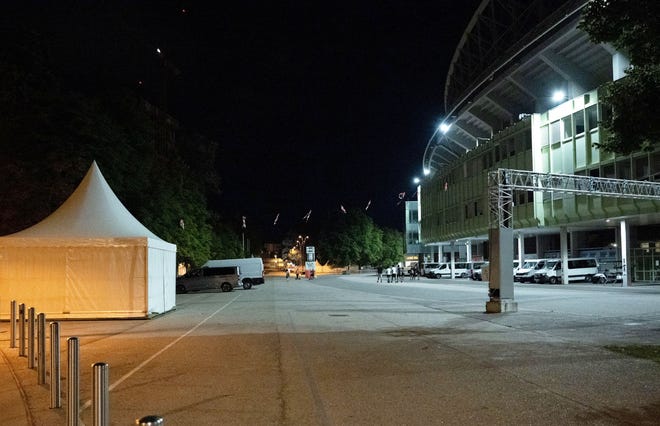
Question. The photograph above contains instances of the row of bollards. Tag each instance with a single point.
(100, 370)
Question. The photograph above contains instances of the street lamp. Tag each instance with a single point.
(300, 245)
(558, 96)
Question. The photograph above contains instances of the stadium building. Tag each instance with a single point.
(522, 92)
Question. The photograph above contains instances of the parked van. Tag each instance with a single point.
(224, 278)
(461, 270)
(579, 269)
(436, 271)
(252, 268)
(547, 269)
(428, 267)
(525, 273)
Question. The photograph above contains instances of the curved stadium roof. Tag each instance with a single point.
(511, 57)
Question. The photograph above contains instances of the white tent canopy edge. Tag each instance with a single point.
(89, 259)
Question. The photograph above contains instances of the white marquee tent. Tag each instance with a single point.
(89, 259)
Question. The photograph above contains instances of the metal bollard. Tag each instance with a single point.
(100, 395)
(41, 349)
(150, 421)
(55, 398)
(73, 384)
(30, 343)
(12, 327)
(21, 329)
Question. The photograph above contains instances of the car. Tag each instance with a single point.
(437, 271)
(525, 273)
(581, 269)
(461, 270)
(251, 268)
(547, 271)
(225, 278)
(427, 268)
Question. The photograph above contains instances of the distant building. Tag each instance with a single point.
(416, 252)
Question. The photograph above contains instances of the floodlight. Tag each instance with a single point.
(558, 95)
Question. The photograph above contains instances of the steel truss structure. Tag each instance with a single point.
(503, 182)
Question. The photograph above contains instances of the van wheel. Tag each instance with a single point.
(464, 275)
(226, 287)
(588, 279)
(247, 285)
(553, 280)
(181, 289)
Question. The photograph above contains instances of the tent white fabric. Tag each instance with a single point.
(89, 259)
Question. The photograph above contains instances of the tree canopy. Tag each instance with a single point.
(354, 239)
(50, 134)
(633, 28)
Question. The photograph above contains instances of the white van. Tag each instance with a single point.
(579, 269)
(545, 270)
(461, 270)
(436, 271)
(525, 273)
(427, 268)
(252, 268)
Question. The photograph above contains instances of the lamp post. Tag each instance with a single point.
(300, 244)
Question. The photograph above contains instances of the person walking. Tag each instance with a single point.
(388, 272)
(287, 274)
(379, 274)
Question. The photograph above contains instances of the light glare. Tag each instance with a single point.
(559, 95)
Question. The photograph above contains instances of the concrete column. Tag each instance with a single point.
(624, 231)
(500, 284)
(563, 250)
(521, 248)
(468, 251)
(452, 248)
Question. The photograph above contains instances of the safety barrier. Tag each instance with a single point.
(100, 370)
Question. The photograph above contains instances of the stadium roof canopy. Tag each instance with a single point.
(512, 57)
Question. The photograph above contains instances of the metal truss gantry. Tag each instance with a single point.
(503, 182)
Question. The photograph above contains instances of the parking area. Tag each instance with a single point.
(348, 350)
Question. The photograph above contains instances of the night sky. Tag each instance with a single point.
(314, 105)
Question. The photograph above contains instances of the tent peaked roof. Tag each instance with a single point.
(92, 211)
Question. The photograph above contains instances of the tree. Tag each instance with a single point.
(225, 243)
(50, 134)
(351, 238)
(393, 251)
(632, 27)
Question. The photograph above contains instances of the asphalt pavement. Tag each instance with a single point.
(342, 350)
